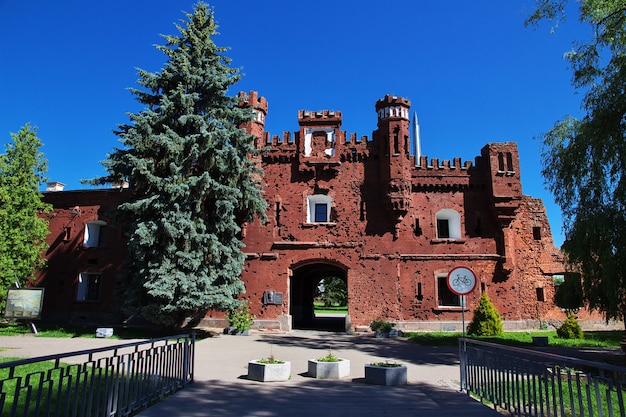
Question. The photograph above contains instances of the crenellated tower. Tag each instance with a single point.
(318, 138)
(392, 138)
(505, 189)
(255, 127)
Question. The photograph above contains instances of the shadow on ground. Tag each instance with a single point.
(317, 397)
(398, 348)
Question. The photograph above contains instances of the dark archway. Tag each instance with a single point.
(303, 283)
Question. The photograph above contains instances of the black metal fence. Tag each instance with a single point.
(530, 383)
(113, 381)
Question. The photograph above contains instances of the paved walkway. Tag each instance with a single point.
(222, 389)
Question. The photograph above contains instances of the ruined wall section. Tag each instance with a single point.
(537, 261)
(69, 255)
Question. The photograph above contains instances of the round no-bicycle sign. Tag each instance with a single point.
(461, 280)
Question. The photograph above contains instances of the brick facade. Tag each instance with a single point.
(363, 209)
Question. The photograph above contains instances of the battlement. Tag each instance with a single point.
(457, 163)
(285, 139)
(392, 106)
(253, 100)
(323, 117)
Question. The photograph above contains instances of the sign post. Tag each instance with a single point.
(24, 304)
(462, 281)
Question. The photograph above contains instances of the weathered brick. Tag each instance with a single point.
(380, 234)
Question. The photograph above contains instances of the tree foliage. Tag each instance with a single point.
(569, 295)
(22, 231)
(487, 320)
(584, 159)
(570, 329)
(192, 181)
(334, 292)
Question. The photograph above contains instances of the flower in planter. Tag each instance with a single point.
(269, 360)
(385, 373)
(269, 369)
(329, 358)
(329, 367)
(386, 364)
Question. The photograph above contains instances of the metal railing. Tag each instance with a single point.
(112, 381)
(524, 382)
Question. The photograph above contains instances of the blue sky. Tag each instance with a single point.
(473, 72)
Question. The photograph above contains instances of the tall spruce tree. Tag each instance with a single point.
(191, 179)
(22, 230)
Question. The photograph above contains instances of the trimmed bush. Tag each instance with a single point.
(381, 326)
(487, 320)
(570, 329)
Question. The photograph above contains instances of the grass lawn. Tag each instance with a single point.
(320, 308)
(608, 338)
(47, 330)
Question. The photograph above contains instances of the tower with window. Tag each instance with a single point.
(392, 137)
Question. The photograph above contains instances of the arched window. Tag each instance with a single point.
(318, 210)
(94, 234)
(448, 224)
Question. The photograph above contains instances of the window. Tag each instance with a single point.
(509, 162)
(443, 229)
(537, 233)
(67, 233)
(94, 234)
(321, 210)
(558, 279)
(318, 210)
(448, 224)
(500, 162)
(88, 287)
(540, 294)
(445, 297)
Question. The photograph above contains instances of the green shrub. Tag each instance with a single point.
(240, 318)
(570, 329)
(381, 326)
(487, 320)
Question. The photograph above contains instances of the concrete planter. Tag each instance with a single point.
(329, 370)
(269, 372)
(385, 375)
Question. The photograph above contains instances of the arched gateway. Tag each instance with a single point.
(364, 209)
(304, 279)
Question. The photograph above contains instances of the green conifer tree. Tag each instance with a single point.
(570, 329)
(192, 182)
(486, 320)
(22, 230)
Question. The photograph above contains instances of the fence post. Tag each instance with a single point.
(463, 363)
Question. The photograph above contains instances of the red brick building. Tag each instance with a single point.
(390, 224)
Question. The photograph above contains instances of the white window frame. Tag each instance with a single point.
(312, 201)
(83, 286)
(454, 223)
(92, 233)
(330, 141)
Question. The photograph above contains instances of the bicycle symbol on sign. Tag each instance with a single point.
(461, 281)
